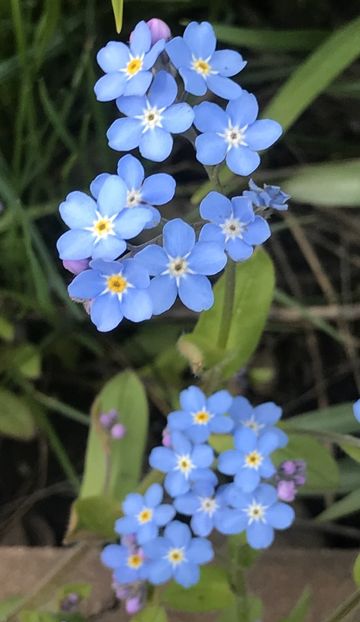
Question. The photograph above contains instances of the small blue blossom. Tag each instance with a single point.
(200, 66)
(144, 514)
(177, 556)
(180, 267)
(127, 69)
(258, 513)
(267, 197)
(98, 229)
(156, 189)
(234, 134)
(250, 461)
(259, 419)
(356, 410)
(183, 464)
(116, 289)
(204, 506)
(127, 562)
(201, 416)
(149, 121)
(233, 224)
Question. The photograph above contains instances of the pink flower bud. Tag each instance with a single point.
(75, 266)
(133, 605)
(286, 490)
(118, 431)
(166, 438)
(159, 30)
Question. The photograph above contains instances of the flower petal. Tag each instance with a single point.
(210, 148)
(210, 117)
(224, 87)
(243, 110)
(156, 144)
(75, 244)
(162, 459)
(140, 39)
(178, 118)
(158, 189)
(138, 84)
(131, 171)
(163, 90)
(136, 305)
(242, 160)
(78, 210)
(178, 238)
(215, 207)
(105, 312)
(159, 572)
(200, 551)
(154, 258)
(194, 83)
(112, 196)
(109, 248)
(202, 456)
(280, 516)
(207, 258)
(227, 62)
(238, 249)
(97, 184)
(192, 399)
(110, 86)
(113, 56)
(124, 134)
(187, 574)
(152, 55)
(262, 134)
(86, 285)
(212, 233)
(178, 534)
(230, 521)
(131, 222)
(200, 38)
(178, 52)
(230, 462)
(195, 292)
(164, 514)
(176, 484)
(163, 293)
(259, 535)
(186, 504)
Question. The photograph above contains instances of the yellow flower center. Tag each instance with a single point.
(135, 561)
(201, 66)
(145, 515)
(102, 227)
(201, 417)
(253, 459)
(116, 284)
(175, 556)
(134, 66)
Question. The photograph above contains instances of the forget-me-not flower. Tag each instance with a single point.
(127, 68)
(149, 121)
(267, 197)
(201, 416)
(98, 229)
(233, 135)
(204, 506)
(200, 66)
(156, 189)
(177, 556)
(356, 410)
(144, 514)
(116, 289)
(232, 224)
(180, 267)
(258, 513)
(128, 562)
(183, 463)
(259, 419)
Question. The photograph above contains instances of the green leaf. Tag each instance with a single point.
(301, 609)
(247, 608)
(8, 605)
(265, 39)
(151, 613)
(356, 571)
(339, 418)
(26, 358)
(82, 590)
(210, 594)
(7, 330)
(45, 616)
(344, 507)
(334, 184)
(93, 518)
(322, 472)
(351, 450)
(16, 419)
(254, 288)
(118, 8)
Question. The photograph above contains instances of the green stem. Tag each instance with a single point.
(345, 608)
(228, 304)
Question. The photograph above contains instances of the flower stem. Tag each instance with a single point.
(349, 606)
(228, 304)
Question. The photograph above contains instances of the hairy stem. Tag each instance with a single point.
(228, 304)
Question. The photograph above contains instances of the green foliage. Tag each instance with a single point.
(344, 507)
(118, 8)
(212, 593)
(16, 419)
(44, 616)
(339, 418)
(301, 609)
(272, 40)
(8, 605)
(151, 613)
(356, 571)
(83, 590)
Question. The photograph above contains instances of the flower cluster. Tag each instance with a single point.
(149, 79)
(156, 544)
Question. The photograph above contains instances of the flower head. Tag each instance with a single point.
(267, 197)
(127, 561)
(117, 289)
(233, 224)
(144, 514)
(177, 556)
(204, 506)
(234, 134)
(127, 68)
(200, 66)
(98, 229)
(259, 419)
(201, 416)
(149, 121)
(180, 267)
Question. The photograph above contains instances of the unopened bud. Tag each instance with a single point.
(286, 490)
(159, 30)
(118, 431)
(133, 605)
(75, 266)
(166, 438)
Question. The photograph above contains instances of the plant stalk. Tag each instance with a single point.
(228, 304)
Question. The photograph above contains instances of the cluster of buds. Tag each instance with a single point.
(133, 595)
(109, 421)
(291, 475)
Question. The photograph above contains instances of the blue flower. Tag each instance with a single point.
(116, 289)
(127, 562)
(127, 69)
(150, 121)
(267, 197)
(144, 514)
(154, 190)
(356, 410)
(183, 464)
(201, 416)
(200, 66)
(259, 513)
(177, 555)
(234, 225)
(180, 268)
(250, 461)
(204, 506)
(259, 419)
(99, 228)
(234, 135)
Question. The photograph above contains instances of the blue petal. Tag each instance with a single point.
(187, 574)
(215, 207)
(140, 39)
(164, 514)
(210, 117)
(163, 90)
(230, 521)
(243, 110)
(221, 424)
(126, 525)
(192, 399)
(114, 56)
(112, 196)
(78, 210)
(262, 134)
(356, 410)
(155, 217)
(179, 420)
(210, 148)
(194, 83)
(124, 134)
(151, 56)
(108, 248)
(131, 170)
(198, 433)
(147, 532)
(230, 462)
(105, 312)
(267, 468)
(86, 285)
(154, 495)
(162, 459)
(245, 439)
(113, 555)
(186, 504)
(158, 189)
(247, 479)
(202, 524)
(240, 409)
(178, 238)
(178, 118)
(207, 258)
(131, 222)
(132, 105)
(157, 548)
(202, 456)
(178, 52)
(124, 575)
(178, 534)
(97, 184)
(75, 244)
(239, 250)
(110, 86)
(154, 258)
(237, 498)
(268, 442)
(163, 292)
(195, 292)
(266, 494)
(137, 274)
(227, 62)
(156, 144)
(159, 572)
(223, 87)
(212, 233)
(243, 210)
(259, 535)
(204, 476)
(200, 551)
(242, 160)
(176, 484)
(107, 267)
(268, 413)
(200, 38)
(136, 305)
(138, 84)
(280, 516)
(180, 443)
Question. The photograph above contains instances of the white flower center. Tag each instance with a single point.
(208, 505)
(256, 512)
(254, 425)
(175, 556)
(133, 198)
(145, 516)
(232, 228)
(254, 459)
(102, 226)
(133, 66)
(151, 117)
(184, 464)
(234, 136)
(202, 66)
(177, 268)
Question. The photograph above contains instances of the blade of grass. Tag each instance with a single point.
(265, 39)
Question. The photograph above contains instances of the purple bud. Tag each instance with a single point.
(121, 591)
(118, 431)
(133, 605)
(107, 420)
(166, 438)
(299, 480)
(159, 30)
(75, 266)
(288, 467)
(70, 602)
(286, 490)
